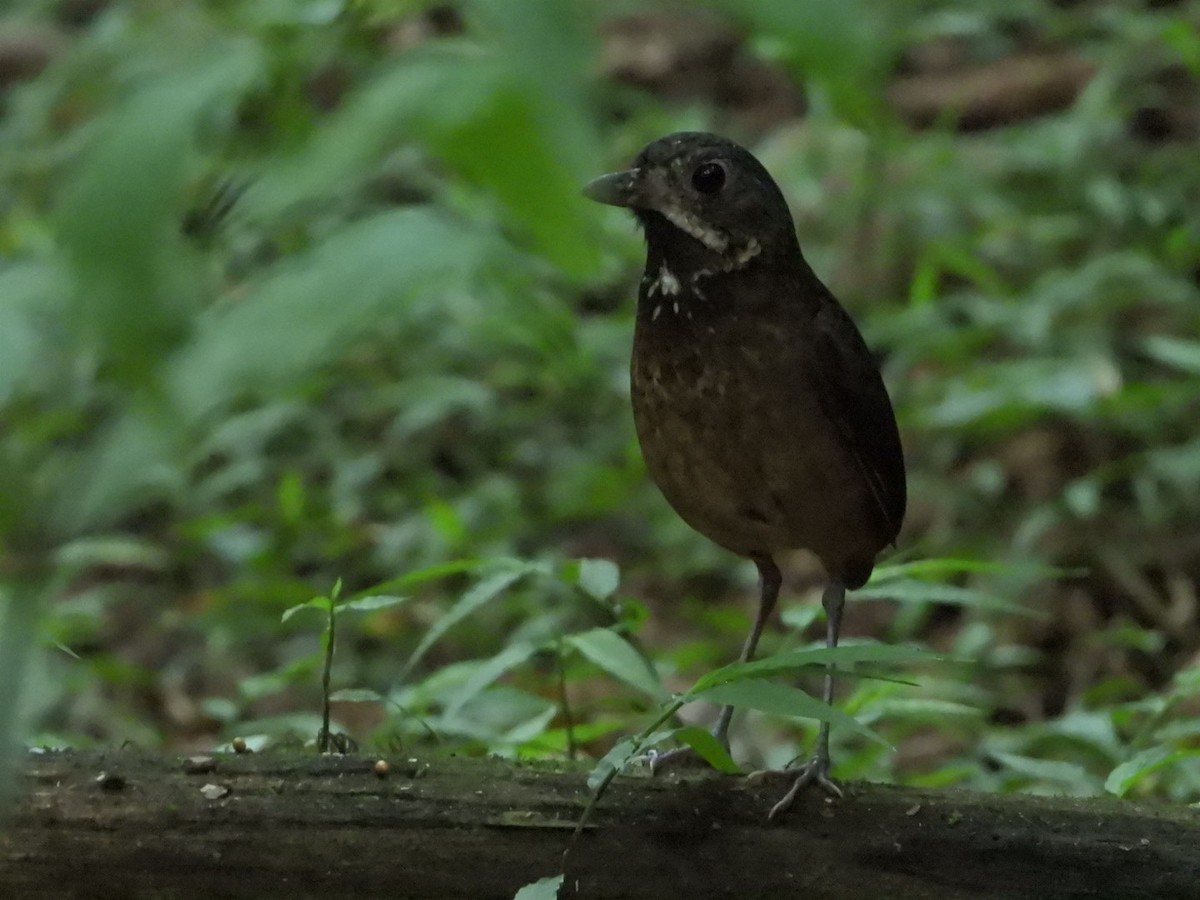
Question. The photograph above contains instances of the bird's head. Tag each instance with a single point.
(704, 199)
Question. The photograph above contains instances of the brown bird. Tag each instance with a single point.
(760, 411)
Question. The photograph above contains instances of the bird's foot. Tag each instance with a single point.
(685, 757)
(814, 772)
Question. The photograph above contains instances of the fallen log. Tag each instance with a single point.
(132, 824)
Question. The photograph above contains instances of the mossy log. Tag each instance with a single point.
(130, 824)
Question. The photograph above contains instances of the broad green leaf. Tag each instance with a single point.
(542, 144)
(303, 314)
(1187, 681)
(600, 578)
(912, 590)
(617, 657)
(431, 86)
(1053, 771)
(613, 761)
(425, 401)
(371, 602)
(450, 100)
(1178, 352)
(794, 660)
(291, 497)
(798, 616)
(1017, 391)
(487, 672)
(781, 700)
(20, 612)
(523, 732)
(29, 293)
(319, 603)
(357, 695)
(846, 48)
(708, 748)
(254, 687)
(481, 594)
(943, 566)
(118, 217)
(111, 550)
(545, 46)
(435, 572)
(501, 715)
(134, 458)
(557, 741)
(925, 709)
(542, 889)
(1128, 774)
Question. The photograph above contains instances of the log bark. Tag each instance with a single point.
(129, 824)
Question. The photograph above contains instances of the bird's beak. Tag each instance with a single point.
(616, 189)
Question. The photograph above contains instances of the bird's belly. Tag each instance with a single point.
(753, 471)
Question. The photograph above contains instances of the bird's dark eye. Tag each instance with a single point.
(709, 178)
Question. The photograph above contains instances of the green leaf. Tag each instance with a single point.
(435, 572)
(557, 741)
(794, 660)
(357, 695)
(523, 732)
(614, 760)
(20, 616)
(450, 100)
(781, 700)
(925, 709)
(1178, 352)
(138, 285)
(542, 889)
(708, 748)
(256, 686)
(128, 461)
(843, 46)
(1127, 775)
(487, 672)
(382, 268)
(112, 550)
(290, 494)
(912, 590)
(30, 292)
(483, 593)
(619, 658)
(319, 603)
(943, 566)
(600, 578)
(1052, 771)
(371, 602)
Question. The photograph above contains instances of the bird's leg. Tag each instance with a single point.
(770, 580)
(816, 770)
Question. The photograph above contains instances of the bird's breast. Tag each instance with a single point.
(733, 433)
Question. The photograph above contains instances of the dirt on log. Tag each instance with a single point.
(134, 825)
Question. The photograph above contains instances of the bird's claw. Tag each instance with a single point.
(814, 772)
(680, 756)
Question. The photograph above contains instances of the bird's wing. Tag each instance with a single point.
(853, 397)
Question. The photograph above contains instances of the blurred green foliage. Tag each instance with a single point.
(294, 293)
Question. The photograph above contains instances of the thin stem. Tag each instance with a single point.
(564, 703)
(323, 740)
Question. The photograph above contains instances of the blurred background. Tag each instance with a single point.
(300, 300)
